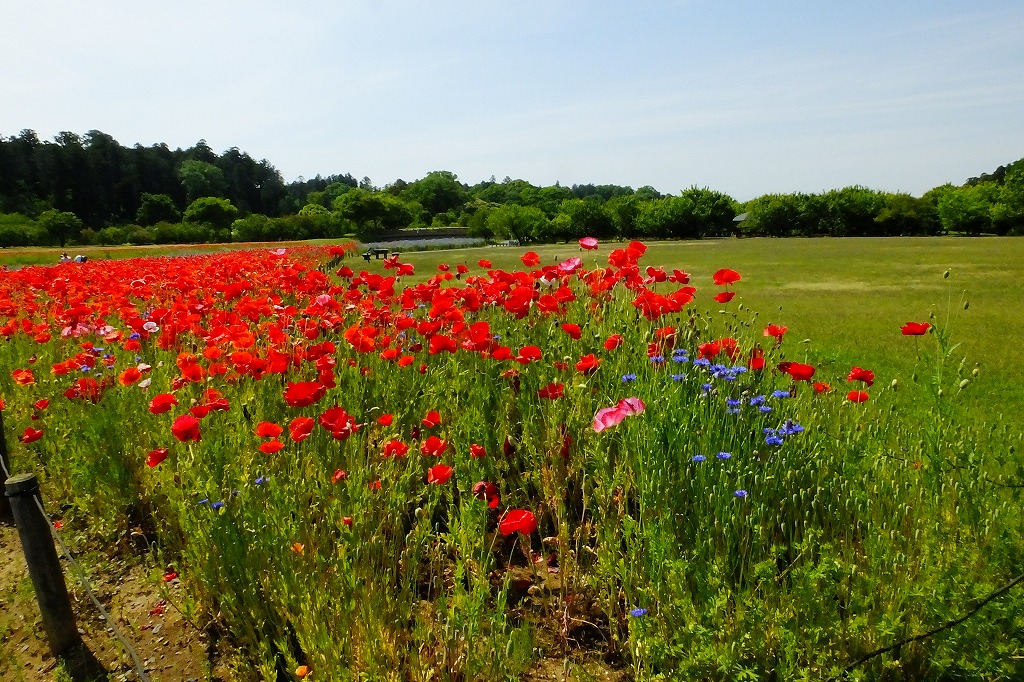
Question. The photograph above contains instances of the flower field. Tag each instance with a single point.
(410, 474)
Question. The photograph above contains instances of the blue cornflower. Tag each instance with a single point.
(85, 368)
(657, 359)
(733, 402)
(764, 408)
(205, 500)
(260, 480)
(790, 428)
(740, 494)
(706, 388)
(677, 377)
(637, 612)
(699, 458)
(135, 336)
(628, 378)
(757, 400)
(780, 394)
(217, 505)
(680, 357)
(771, 437)
(723, 455)
(732, 410)
(702, 362)
(739, 369)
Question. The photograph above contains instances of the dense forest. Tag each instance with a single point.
(92, 190)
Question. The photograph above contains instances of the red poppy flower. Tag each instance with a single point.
(477, 451)
(588, 364)
(775, 330)
(432, 419)
(156, 456)
(530, 259)
(300, 428)
(129, 376)
(385, 419)
(186, 428)
(304, 393)
(725, 296)
(915, 328)
(756, 362)
(709, 350)
(859, 374)
(613, 342)
(857, 396)
(199, 411)
(433, 446)
(39, 404)
(552, 391)
(271, 446)
(725, 277)
(679, 277)
(23, 377)
(518, 521)
(484, 490)
(484, 263)
(31, 435)
(588, 243)
(820, 387)
(338, 476)
(572, 330)
(528, 354)
(395, 448)
(439, 474)
(269, 430)
(797, 370)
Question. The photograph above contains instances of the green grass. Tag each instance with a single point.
(878, 522)
(848, 298)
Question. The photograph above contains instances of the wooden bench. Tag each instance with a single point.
(376, 253)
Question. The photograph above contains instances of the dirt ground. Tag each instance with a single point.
(171, 649)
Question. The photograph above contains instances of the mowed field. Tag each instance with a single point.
(844, 301)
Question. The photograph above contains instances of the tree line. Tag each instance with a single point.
(92, 190)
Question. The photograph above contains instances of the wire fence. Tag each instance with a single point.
(86, 584)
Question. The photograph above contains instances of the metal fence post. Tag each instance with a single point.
(43, 567)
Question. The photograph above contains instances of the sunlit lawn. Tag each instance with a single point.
(848, 299)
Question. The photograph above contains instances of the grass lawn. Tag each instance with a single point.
(844, 301)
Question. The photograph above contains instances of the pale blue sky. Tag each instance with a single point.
(743, 97)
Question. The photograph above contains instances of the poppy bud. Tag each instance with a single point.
(963, 384)
(967, 304)
(945, 275)
(894, 385)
